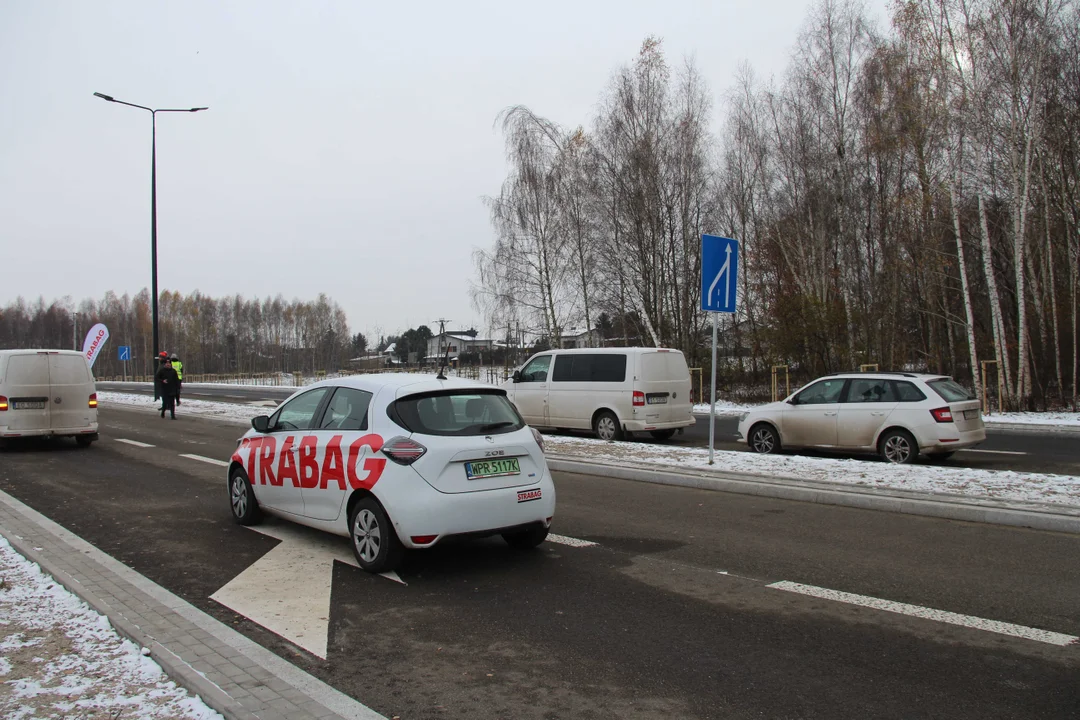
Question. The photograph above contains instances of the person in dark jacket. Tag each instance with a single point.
(166, 378)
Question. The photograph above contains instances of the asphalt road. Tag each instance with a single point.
(1019, 450)
(670, 615)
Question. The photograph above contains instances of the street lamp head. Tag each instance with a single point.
(198, 109)
(104, 97)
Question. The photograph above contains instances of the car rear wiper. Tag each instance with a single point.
(497, 425)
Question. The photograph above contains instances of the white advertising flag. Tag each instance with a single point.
(95, 340)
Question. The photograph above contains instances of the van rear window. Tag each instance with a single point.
(599, 367)
(664, 366)
(68, 370)
(28, 369)
(456, 412)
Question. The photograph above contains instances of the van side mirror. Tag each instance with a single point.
(261, 424)
(516, 377)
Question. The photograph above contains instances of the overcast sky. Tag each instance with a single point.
(348, 144)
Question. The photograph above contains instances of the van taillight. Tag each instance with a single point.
(403, 451)
(3, 403)
(639, 399)
(942, 415)
(93, 400)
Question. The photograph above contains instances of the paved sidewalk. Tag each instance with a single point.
(232, 674)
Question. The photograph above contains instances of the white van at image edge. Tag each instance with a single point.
(47, 393)
(611, 391)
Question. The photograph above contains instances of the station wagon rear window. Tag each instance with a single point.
(456, 413)
(950, 390)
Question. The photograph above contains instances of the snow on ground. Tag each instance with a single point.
(723, 407)
(996, 484)
(61, 659)
(232, 412)
(1035, 418)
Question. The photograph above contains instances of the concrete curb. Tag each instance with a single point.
(941, 505)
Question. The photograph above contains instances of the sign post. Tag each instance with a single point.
(124, 353)
(719, 272)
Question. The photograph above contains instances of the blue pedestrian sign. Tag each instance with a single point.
(125, 352)
(719, 271)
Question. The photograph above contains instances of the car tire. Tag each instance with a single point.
(374, 541)
(526, 539)
(662, 434)
(606, 426)
(83, 441)
(242, 502)
(898, 447)
(940, 456)
(764, 439)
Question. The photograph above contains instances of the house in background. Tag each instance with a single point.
(458, 343)
(580, 338)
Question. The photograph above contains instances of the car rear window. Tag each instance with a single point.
(599, 367)
(908, 392)
(664, 366)
(456, 413)
(950, 390)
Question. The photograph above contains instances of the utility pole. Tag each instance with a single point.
(442, 332)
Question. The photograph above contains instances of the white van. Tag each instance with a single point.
(47, 392)
(611, 391)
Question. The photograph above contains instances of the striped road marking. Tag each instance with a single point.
(136, 443)
(200, 458)
(1003, 628)
(572, 542)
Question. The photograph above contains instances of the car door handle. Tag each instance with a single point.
(877, 413)
(830, 414)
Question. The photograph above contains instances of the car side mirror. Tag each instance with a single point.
(261, 424)
(516, 377)
(792, 401)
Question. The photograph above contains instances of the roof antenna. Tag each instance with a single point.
(443, 364)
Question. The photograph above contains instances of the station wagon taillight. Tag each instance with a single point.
(3, 403)
(93, 401)
(403, 451)
(942, 414)
(639, 399)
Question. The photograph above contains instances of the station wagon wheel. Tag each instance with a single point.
(245, 509)
(606, 426)
(763, 439)
(374, 542)
(898, 446)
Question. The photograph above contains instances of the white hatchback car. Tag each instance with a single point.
(396, 461)
(898, 415)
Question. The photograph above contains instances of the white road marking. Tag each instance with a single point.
(136, 443)
(944, 616)
(995, 452)
(572, 542)
(391, 575)
(202, 458)
(287, 590)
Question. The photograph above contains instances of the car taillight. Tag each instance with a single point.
(639, 398)
(403, 451)
(942, 415)
(538, 438)
(3, 403)
(423, 539)
(93, 400)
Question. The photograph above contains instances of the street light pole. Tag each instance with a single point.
(153, 200)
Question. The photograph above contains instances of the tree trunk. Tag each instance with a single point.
(1000, 351)
(969, 312)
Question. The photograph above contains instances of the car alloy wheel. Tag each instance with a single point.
(242, 501)
(897, 449)
(367, 536)
(239, 496)
(763, 440)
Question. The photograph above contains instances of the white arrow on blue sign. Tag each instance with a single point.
(124, 352)
(719, 270)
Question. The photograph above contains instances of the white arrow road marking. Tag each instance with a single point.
(287, 590)
(203, 458)
(572, 542)
(136, 443)
(944, 616)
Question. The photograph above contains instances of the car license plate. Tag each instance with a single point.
(28, 405)
(657, 399)
(492, 468)
(971, 414)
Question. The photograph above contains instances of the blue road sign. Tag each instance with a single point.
(125, 352)
(719, 271)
